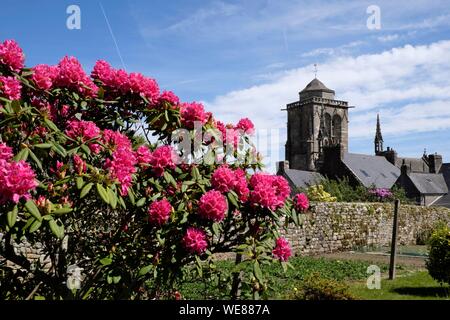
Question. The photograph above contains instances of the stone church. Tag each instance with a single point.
(317, 146)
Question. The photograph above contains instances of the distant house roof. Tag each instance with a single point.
(429, 183)
(445, 200)
(414, 164)
(316, 85)
(302, 179)
(372, 170)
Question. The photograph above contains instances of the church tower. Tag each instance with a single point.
(378, 138)
(315, 121)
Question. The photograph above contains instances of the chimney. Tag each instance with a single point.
(435, 162)
(282, 166)
(405, 170)
(390, 155)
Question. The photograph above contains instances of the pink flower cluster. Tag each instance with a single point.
(225, 179)
(168, 97)
(232, 134)
(121, 168)
(159, 212)
(121, 82)
(17, 179)
(268, 191)
(10, 88)
(282, 249)
(84, 131)
(301, 202)
(79, 164)
(11, 55)
(162, 158)
(143, 155)
(115, 140)
(191, 113)
(71, 75)
(212, 206)
(195, 241)
(44, 76)
(246, 125)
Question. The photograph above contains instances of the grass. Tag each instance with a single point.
(409, 286)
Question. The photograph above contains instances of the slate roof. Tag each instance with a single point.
(316, 85)
(445, 200)
(372, 170)
(415, 164)
(429, 183)
(302, 179)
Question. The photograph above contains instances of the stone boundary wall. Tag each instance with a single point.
(337, 226)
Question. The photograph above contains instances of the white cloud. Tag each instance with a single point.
(409, 85)
(388, 38)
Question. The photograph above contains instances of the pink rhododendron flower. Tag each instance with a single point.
(11, 55)
(115, 139)
(269, 191)
(17, 179)
(241, 186)
(6, 153)
(230, 136)
(223, 179)
(246, 125)
(195, 241)
(170, 98)
(143, 155)
(86, 130)
(282, 249)
(44, 75)
(10, 88)
(212, 206)
(121, 168)
(301, 202)
(159, 212)
(144, 86)
(193, 112)
(79, 164)
(103, 71)
(71, 75)
(281, 187)
(162, 158)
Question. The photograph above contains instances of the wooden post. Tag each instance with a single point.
(394, 241)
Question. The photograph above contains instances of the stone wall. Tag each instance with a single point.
(330, 227)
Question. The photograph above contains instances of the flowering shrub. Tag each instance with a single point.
(81, 178)
(317, 193)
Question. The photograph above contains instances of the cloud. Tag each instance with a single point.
(409, 85)
(388, 37)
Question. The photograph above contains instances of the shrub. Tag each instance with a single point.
(315, 287)
(317, 193)
(438, 263)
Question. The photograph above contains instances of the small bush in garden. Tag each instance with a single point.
(317, 193)
(438, 263)
(315, 287)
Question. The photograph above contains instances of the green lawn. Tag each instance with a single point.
(416, 285)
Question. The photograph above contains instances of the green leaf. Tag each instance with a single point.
(83, 104)
(215, 228)
(86, 190)
(102, 193)
(169, 179)
(22, 155)
(112, 198)
(33, 210)
(140, 202)
(145, 270)
(35, 159)
(195, 173)
(16, 106)
(59, 149)
(11, 216)
(34, 226)
(86, 149)
(62, 210)
(80, 182)
(233, 199)
(43, 145)
(122, 203)
(106, 261)
(257, 271)
(116, 279)
(131, 196)
(50, 124)
(57, 228)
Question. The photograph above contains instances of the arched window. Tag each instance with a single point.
(327, 132)
(336, 132)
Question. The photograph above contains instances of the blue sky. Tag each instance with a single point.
(250, 58)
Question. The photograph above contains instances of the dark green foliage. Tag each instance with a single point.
(438, 263)
(315, 287)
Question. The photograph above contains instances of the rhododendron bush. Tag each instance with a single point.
(132, 188)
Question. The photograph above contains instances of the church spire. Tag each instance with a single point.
(378, 137)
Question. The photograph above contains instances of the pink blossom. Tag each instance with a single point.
(230, 136)
(168, 97)
(17, 179)
(143, 86)
(6, 153)
(246, 125)
(86, 130)
(241, 186)
(301, 202)
(71, 75)
(121, 168)
(102, 71)
(282, 249)
(162, 158)
(193, 112)
(223, 179)
(11, 55)
(159, 212)
(10, 88)
(44, 75)
(269, 191)
(115, 139)
(143, 155)
(79, 164)
(195, 241)
(212, 206)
